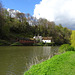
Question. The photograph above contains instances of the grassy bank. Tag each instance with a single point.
(43, 44)
(73, 38)
(63, 64)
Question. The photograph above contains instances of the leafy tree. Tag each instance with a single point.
(24, 25)
(21, 17)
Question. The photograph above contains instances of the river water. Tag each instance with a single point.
(15, 60)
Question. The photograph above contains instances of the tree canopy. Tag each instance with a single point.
(25, 25)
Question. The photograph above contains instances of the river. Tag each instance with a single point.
(15, 60)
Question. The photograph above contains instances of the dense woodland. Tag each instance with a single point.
(24, 25)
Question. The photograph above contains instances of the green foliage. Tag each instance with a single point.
(73, 38)
(4, 43)
(43, 44)
(49, 44)
(28, 26)
(66, 47)
(39, 44)
(62, 35)
(63, 64)
(16, 44)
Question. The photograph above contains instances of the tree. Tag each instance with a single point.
(2, 20)
(21, 17)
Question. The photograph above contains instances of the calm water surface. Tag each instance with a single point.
(16, 60)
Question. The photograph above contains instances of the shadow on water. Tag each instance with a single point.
(17, 60)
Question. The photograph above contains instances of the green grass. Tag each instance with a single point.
(66, 47)
(16, 44)
(63, 64)
(73, 38)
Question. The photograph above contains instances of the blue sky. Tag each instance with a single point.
(26, 6)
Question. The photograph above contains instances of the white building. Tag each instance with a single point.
(43, 39)
(38, 38)
(47, 39)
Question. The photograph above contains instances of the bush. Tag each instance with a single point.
(66, 47)
(38, 44)
(4, 43)
(16, 44)
(43, 44)
(49, 44)
(73, 38)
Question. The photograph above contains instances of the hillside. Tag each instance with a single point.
(73, 38)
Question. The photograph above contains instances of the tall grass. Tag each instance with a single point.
(73, 38)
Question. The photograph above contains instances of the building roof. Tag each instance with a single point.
(47, 38)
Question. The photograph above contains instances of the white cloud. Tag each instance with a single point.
(59, 11)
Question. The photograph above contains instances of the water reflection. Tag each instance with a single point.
(17, 60)
(40, 54)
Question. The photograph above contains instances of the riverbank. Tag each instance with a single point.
(63, 64)
(9, 43)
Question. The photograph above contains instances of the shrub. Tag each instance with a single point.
(39, 44)
(43, 44)
(4, 43)
(73, 38)
(49, 44)
(16, 44)
(66, 47)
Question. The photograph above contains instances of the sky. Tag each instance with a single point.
(26, 6)
(59, 11)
